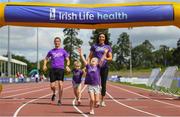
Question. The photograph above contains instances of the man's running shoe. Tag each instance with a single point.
(53, 97)
(59, 103)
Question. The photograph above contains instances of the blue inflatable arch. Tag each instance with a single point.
(90, 16)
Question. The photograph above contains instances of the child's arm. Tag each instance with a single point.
(84, 71)
(81, 56)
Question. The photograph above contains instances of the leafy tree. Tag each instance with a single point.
(163, 56)
(164, 50)
(137, 56)
(121, 50)
(178, 43)
(71, 42)
(148, 45)
(176, 54)
(158, 58)
(142, 55)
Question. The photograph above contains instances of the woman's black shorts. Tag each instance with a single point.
(56, 74)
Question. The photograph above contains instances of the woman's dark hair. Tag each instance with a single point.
(106, 38)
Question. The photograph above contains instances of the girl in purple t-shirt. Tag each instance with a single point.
(76, 80)
(93, 79)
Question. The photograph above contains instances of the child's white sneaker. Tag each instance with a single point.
(103, 104)
(97, 104)
(91, 112)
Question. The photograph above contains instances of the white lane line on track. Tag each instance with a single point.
(19, 90)
(18, 86)
(145, 96)
(25, 93)
(74, 105)
(132, 107)
(149, 90)
(18, 110)
(9, 88)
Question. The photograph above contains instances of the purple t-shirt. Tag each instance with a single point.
(93, 75)
(98, 51)
(77, 75)
(57, 57)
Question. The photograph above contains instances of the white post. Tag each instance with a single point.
(38, 64)
(8, 52)
(12, 72)
(14, 69)
(5, 68)
(130, 50)
(25, 70)
(130, 59)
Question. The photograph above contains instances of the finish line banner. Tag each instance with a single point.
(100, 15)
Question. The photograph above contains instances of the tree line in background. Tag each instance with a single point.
(143, 55)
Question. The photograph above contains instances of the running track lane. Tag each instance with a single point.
(121, 100)
(9, 105)
(142, 100)
(8, 87)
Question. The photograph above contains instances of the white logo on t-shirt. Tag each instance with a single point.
(55, 55)
(98, 49)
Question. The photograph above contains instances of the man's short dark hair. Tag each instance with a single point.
(57, 38)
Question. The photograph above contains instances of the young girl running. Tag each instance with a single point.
(93, 79)
(76, 81)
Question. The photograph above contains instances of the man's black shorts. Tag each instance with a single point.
(56, 74)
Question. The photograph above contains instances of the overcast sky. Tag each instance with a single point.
(23, 39)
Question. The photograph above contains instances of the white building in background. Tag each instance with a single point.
(16, 66)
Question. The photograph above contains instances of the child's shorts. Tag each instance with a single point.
(94, 89)
(76, 85)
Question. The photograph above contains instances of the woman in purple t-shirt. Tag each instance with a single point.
(97, 50)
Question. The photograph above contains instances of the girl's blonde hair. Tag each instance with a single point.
(78, 62)
(95, 58)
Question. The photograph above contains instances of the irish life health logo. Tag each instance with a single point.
(52, 14)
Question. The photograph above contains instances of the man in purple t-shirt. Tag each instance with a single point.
(57, 56)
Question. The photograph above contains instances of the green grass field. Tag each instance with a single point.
(143, 73)
(175, 91)
(140, 73)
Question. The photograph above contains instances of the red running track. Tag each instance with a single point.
(33, 99)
